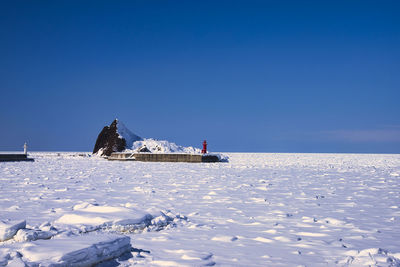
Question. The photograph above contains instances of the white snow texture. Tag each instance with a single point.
(72, 209)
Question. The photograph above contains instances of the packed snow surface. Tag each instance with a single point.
(255, 210)
(162, 146)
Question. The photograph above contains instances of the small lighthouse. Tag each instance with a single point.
(25, 148)
(204, 151)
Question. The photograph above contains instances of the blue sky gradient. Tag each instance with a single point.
(248, 76)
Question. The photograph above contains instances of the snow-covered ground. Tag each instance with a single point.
(255, 210)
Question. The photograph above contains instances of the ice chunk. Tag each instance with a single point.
(9, 228)
(32, 235)
(84, 250)
(91, 217)
(16, 262)
(4, 256)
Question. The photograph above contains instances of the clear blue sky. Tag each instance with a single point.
(252, 76)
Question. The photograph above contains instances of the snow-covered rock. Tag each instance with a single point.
(114, 138)
(125, 133)
(162, 146)
(117, 138)
(9, 228)
(84, 250)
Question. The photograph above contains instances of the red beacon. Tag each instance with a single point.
(204, 151)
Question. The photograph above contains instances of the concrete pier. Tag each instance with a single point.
(121, 156)
(15, 157)
(156, 157)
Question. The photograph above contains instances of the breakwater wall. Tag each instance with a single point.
(158, 157)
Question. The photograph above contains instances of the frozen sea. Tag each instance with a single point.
(255, 210)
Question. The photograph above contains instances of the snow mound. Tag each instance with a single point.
(9, 228)
(84, 250)
(162, 146)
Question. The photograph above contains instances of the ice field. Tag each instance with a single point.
(256, 210)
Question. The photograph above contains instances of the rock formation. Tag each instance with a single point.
(144, 149)
(114, 138)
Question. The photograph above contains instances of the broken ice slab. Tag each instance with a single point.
(84, 250)
(32, 235)
(88, 217)
(4, 256)
(9, 228)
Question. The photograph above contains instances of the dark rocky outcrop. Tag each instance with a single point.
(144, 149)
(111, 140)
